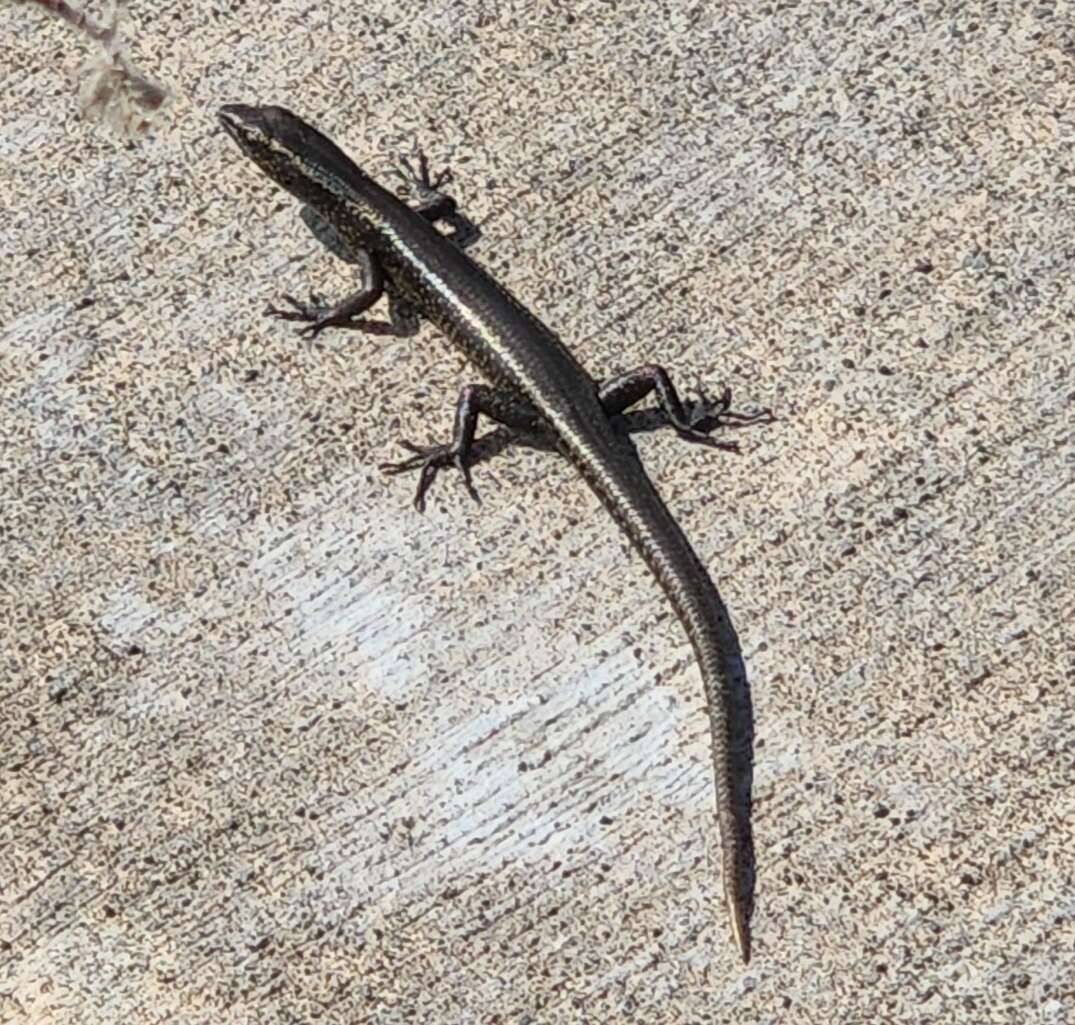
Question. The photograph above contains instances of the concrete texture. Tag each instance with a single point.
(278, 749)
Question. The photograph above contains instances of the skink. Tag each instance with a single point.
(536, 385)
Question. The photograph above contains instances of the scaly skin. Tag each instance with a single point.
(540, 385)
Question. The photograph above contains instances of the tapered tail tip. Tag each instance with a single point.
(740, 930)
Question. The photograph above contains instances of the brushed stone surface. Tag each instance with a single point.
(276, 748)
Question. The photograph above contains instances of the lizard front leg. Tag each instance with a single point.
(435, 205)
(318, 315)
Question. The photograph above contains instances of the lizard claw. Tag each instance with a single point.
(706, 408)
(705, 411)
(721, 410)
(430, 460)
(300, 312)
(315, 315)
(719, 414)
(311, 314)
(417, 178)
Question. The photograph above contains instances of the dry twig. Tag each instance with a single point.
(111, 90)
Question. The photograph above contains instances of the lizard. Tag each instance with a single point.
(535, 385)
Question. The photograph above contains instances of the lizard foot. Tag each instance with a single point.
(416, 175)
(315, 315)
(431, 460)
(708, 414)
(433, 203)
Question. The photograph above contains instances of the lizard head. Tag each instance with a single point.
(287, 149)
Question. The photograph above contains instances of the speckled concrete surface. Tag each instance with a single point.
(277, 749)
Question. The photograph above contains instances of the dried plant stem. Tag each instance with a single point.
(112, 90)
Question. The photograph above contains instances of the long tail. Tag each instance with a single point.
(630, 497)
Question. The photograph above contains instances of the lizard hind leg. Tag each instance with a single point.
(617, 393)
(504, 407)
